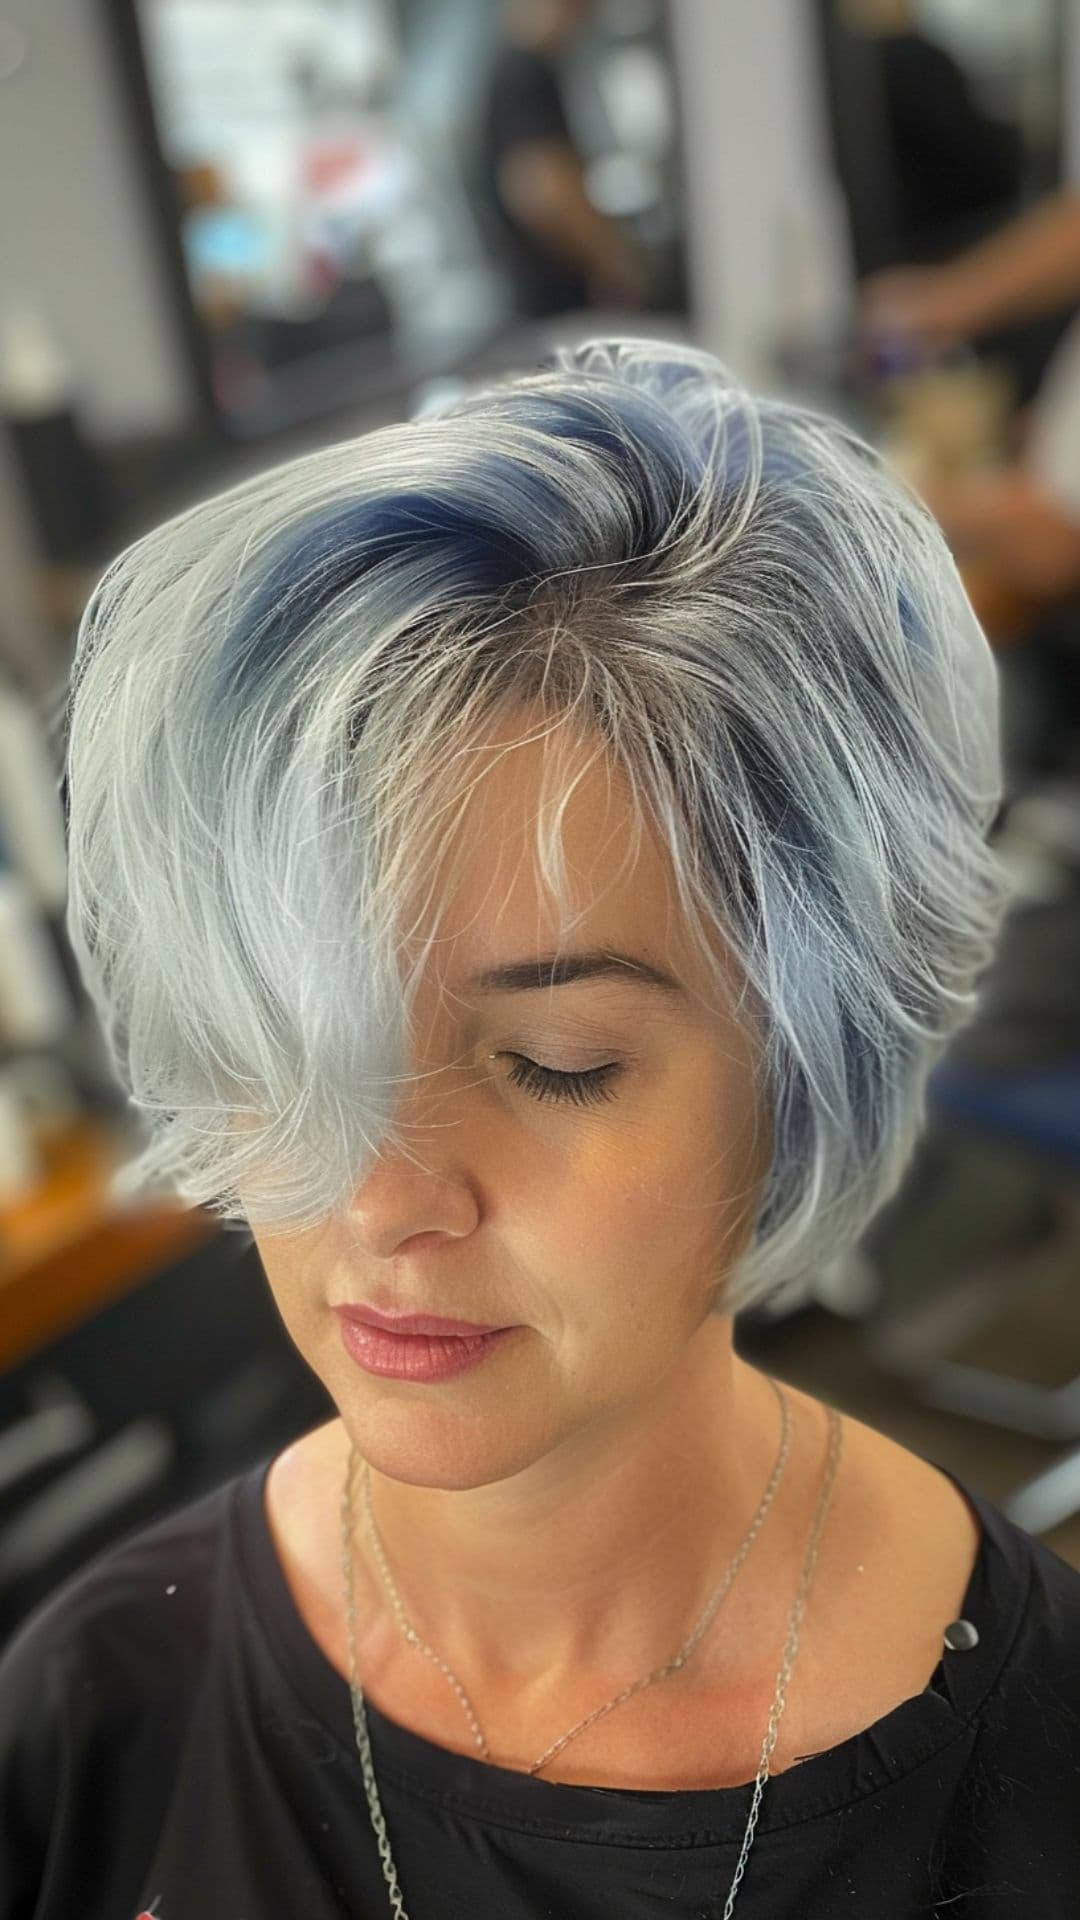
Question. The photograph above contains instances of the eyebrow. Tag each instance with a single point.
(557, 970)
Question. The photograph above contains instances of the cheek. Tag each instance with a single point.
(296, 1311)
(682, 1204)
(623, 1248)
(296, 1266)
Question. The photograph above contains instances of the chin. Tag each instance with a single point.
(442, 1451)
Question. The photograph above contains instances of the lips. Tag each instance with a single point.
(416, 1323)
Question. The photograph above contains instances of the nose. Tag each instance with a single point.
(405, 1207)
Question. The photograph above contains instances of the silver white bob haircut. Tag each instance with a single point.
(279, 702)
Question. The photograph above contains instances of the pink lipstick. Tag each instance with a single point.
(416, 1346)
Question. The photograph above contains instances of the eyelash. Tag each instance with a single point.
(544, 1083)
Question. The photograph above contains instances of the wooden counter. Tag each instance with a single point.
(67, 1250)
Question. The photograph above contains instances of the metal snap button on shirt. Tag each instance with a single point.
(961, 1636)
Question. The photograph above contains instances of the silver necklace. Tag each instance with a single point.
(791, 1647)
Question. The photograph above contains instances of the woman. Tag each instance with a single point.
(527, 862)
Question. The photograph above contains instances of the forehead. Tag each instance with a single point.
(493, 904)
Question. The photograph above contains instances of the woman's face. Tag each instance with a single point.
(599, 1225)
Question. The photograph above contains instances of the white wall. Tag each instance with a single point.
(76, 240)
(767, 241)
(75, 232)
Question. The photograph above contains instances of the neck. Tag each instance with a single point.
(595, 1562)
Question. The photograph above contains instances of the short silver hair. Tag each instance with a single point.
(274, 697)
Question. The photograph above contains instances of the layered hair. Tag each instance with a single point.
(279, 703)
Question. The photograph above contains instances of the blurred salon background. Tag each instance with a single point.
(232, 230)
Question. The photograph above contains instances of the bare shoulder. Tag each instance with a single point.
(897, 1552)
(899, 1514)
(897, 1557)
(919, 1509)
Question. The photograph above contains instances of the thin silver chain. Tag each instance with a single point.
(791, 1647)
(648, 1680)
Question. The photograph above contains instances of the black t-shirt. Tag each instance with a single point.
(524, 104)
(172, 1739)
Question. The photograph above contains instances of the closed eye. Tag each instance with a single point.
(583, 1088)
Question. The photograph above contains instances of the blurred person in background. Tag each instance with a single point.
(560, 252)
(1027, 267)
(1014, 525)
(1023, 519)
(954, 166)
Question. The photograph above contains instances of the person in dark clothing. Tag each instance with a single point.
(1014, 525)
(956, 168)
(559, 251)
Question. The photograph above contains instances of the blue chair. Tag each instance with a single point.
(1035, 1111)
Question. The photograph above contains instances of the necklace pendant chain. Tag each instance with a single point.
(673, 1665)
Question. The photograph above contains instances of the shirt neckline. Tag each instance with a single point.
(407, 1763)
